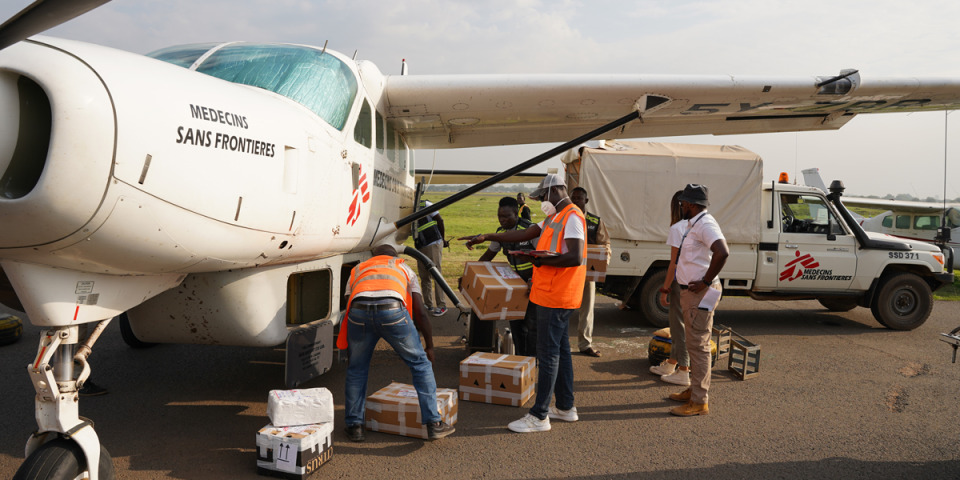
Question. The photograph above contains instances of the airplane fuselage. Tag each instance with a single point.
(155, 171)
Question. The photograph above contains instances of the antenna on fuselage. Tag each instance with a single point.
(403, 67)
(324, 47)
(355, 52)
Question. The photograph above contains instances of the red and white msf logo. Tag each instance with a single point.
(361, 195)
(793, 271)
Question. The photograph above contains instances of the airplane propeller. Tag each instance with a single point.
(42, 15)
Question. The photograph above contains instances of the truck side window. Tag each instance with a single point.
(807, 214)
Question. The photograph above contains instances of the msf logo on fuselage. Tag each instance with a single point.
(361, 195)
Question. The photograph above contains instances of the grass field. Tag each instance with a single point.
(478, 214)
(474, 215)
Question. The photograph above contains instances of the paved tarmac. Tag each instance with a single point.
(838, 396)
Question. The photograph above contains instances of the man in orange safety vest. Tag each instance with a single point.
(559, 274)
(385, 302)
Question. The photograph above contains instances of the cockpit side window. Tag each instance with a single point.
(362, 131)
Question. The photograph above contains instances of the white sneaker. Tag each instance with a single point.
(680, 377)
(565, 415)
(529, 423)
(665, 368)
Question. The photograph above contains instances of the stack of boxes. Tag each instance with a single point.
(298, 439)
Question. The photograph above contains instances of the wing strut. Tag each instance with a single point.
(41, 15)
(512, 171)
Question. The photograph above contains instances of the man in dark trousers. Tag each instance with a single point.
(385, 302)
(702, 253)
(596, 235)
(556, 290)
(524, 331)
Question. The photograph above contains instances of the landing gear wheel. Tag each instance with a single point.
(653, 311)
(130, 338)
(61, 459)
(838, 304)
(902, 302)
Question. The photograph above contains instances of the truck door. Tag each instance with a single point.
(815, 250)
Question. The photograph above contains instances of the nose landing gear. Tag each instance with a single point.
(65, 445)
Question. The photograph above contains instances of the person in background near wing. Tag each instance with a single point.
(385, 302)
(675, 369)
(524, 331)
(703, 252)
(523, 207)
(596, 235)
(430, 240)
(556, 290)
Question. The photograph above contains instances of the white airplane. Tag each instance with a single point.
(220, 193)
(905, 219)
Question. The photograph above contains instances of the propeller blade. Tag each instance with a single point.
(42, 15)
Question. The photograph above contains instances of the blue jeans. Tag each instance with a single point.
(553, 360)
(364, 330)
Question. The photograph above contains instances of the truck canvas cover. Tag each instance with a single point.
(630, 185)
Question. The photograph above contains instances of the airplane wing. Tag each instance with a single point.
(901, 206)
(460, 177)
(454, 111)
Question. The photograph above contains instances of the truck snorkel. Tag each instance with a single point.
(836, 191)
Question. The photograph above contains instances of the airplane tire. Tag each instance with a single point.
(61, 459)
(838, 304)
(902, 302)
(656, 313)
(130, 338)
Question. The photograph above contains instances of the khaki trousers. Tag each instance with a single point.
(699, 327)
(433, 295)
(585, 326)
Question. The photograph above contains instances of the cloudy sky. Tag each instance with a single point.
(873, 154)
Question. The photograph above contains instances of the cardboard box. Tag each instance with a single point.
(499, 379)
(300, 407)
(494, 291)
(293, 452)
(396, 409)
(597, 259)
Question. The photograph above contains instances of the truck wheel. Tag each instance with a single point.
(903, 302)
(62, 459)
(838, 304)
(656, 313)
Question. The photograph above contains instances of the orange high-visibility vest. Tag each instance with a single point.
(559, 287)
(382, 272)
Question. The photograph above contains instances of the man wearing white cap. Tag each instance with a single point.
(556, 290)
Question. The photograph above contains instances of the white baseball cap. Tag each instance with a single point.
(551, 180)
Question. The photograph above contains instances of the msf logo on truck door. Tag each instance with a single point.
(796, 267)
(805, 266)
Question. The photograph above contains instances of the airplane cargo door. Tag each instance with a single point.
(815, 252)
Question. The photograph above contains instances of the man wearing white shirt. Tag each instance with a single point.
(703, 252)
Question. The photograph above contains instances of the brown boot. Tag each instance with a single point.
(683, 396)
(690, 409)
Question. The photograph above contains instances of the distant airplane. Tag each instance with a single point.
(904, 219)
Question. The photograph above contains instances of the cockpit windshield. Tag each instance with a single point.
(316, 80)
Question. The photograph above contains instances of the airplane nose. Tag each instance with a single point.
(24, 134)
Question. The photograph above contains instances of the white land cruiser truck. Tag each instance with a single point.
(786, 241)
